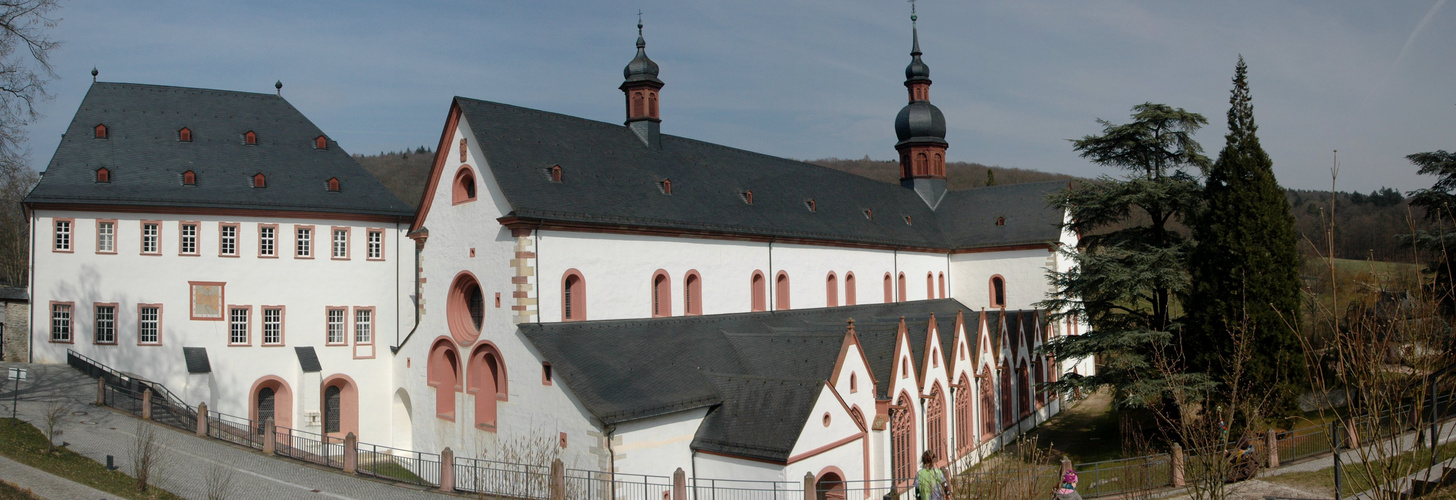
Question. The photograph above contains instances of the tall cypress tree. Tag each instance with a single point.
(1245, 267)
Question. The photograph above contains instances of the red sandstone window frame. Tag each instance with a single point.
(692, 293)
(373, 328)
(831, 290)
(889, 288)
(459, 318)
(343, 325)
(556, 173)
(156, 237)
(546, 373)
(851, 294)
(96, 322)
(443, 372)
(141, 324)
(59, 329)
(63, 235)
(247, 323)
(321, 142)
(334, 232)
(900, 288)
(263, 326)
(573, 296)
(487, 363)
(260, 181)
(464, 188)
(182, 238)
(929, 285)
(781, 291)
(250, 138)
(303, 241)
(374, 244)
(222, 239)
(113, 236)
(272, 249)
(661, 294)
(941, 277)
(758, 291)
(332, 185)
(998, 293)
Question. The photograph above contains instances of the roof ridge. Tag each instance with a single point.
(185, 89)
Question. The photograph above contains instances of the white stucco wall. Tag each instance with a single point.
(1023, 270)
(657, 446)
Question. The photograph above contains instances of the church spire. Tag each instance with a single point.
(920, 128)
(640, 86)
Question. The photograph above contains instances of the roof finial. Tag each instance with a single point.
(278, 85)
(641, 43)
(914, 31)
(93, 74)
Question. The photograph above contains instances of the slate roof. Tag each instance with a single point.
(609, 177)
(759, 373)
(146, 160)
(14, 294)
(308, 359)
(196, 359)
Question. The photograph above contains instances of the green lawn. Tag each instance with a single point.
(10, 491)
(24, 443)
(1355, 479)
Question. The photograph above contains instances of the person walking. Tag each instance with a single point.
(1068, 489)
(929, 482)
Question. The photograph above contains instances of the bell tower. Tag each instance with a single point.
(640, 88)
(920, 128)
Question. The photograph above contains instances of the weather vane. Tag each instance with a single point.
(912, 11)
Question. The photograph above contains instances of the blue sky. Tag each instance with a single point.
(814, 78)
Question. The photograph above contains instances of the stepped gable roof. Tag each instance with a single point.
(609, 177)
(146, 159)
(759, 372)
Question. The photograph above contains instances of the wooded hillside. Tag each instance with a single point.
(1366, 224)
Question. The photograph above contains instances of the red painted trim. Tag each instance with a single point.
(275, 239)
(900, 288)
(851, 290)
(221, 212)
(781, 291)
(458, 190)
(95, 321)
(827, 447)
(831, 470)
(444, 361)
(889, 288)
(159, 325)
(114, 237)
(831, 290)
(457, 308)
(929, 285)
(692, 293)
(70, 322)
(142, 245)
(70, 234)
(546, 375)
(487, 410)
(237, 239)
(282, 400)
(345, 333)
(991, 288)
(578, 296)
(661, 293)
(758, 291)
(248, 334)
(348, 405)
(373, 329)
(348, 242)
(221, 301)
(442, 153)
(282, 329)
(312, 241)
(942, 285)
(196, 238)
(369, 233)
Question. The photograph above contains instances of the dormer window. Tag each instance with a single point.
(334, 184)
(556, 173)
(666, 186)
(259, 181)
(1000, 221)
(250, 138)
(189, 178)
(907, 220)
(321, 142)
(103, 175)
(810, 203)
(100, 131)
(869, 214)
(184, 135)
(748, 197)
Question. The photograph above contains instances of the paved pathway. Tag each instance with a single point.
(45, 484)
(190, 463)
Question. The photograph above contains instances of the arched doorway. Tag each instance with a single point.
(830, 486)
(270, 397)
(340, 406)
(265, 401)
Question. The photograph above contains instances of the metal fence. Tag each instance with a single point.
(122, 399)
(236, 430)
(394, 464)
(593, 485)
(490, 477)
(1302, 443)
(308, 447)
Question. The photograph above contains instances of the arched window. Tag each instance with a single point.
(661, 294)
(901, 287)
(271, 398)
(853, 383)
(938, 166)
(189, 178)
(259, 181)
(942, 285)
(1023, 389)
(849, 290)
(556, 173)
(443, 373)
(831, 290)
(334, 184)
(965, 427)
(830, 485)
(638, 106)
(935, 440)
(929, 286)
(1000, 221)
(652, 104)
(988, 404)
(920, 164)
(902, 438)
(487, 381)
(340, 406)
(781, 291)
(573, 296)
(692, 294)
(250, 138)
(889, 289)
(464, 186)
(1038, 372)
(759, 291)
(998, 291)
(103, 175)
(321, 142)
(465, 308)
(184, 135)
(100, 131)
(1008, 401)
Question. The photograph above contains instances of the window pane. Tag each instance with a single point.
(106, 237)
(266, 238)
(336, 326)
(149, 238)
(148, 325)
(105, 324)
(341, 243)
(272, 326)
(238, 326)
(363, 326)
(229, 240)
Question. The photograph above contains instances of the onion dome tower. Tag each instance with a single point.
(640, 86)
(920, 128)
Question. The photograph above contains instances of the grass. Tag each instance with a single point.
(384, 466)
(1087, 432)
(24, 443)
(1323, 480)
(9, 491)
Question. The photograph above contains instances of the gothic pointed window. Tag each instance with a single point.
(964, 427)
(988, 403)
(901, 288)
(935, 435)
(998, 291)
(889, 289)
(850, 292)
(902, 438)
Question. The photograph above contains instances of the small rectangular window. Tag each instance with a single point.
(267, 240)
(151, 233)
(303, 242)
(546, 373)
(61, 322)
(149, 324)
(106, 236)
(341, 243)
(376, 244)
(105, 324)
(363, 326)
(337, 327)
(187, 244)
(63, 235)
(272, 326)
(227, 240)
(238, 325)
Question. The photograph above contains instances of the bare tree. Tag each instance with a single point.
(1023, 472)
(25, 68)
(148, 456)
(219, 482)
(53, 422)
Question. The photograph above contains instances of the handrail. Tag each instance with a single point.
(157, 388)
